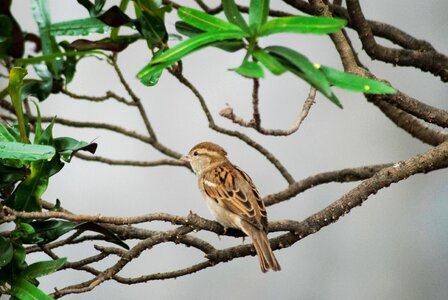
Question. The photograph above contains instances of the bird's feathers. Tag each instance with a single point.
(224, 184)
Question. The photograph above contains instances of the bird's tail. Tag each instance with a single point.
(264, 252)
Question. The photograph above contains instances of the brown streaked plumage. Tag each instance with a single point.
(232, 198)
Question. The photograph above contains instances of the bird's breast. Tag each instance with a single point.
(224, 216)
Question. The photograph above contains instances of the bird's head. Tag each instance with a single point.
(203, 155)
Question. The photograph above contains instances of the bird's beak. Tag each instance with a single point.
(186, 158)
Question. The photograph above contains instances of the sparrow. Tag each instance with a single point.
(232, 198)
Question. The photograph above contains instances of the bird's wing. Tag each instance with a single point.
(234, 190)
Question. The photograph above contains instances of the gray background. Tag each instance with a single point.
(393, 247)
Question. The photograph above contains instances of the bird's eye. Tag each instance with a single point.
(195, 153)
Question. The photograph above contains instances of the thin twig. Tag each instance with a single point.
(229, 114)
(135, 98)
(107, 96)
(133, 163)
(256, 118)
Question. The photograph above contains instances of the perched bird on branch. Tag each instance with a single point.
(232, 198)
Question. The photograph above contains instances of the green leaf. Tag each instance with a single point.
(27, 195)
(43, 268)
(67, 146)
(149, 75)
(187, 29)
(38, 125)
(5, 135)
(46, 137)
(258, 14)
(109, 235)
(204, 21)
(24, 290)
(302, 24)
(26, 228)
(186, 47)
(14, 129)
(151, 22)
(26, 152)
(41, 15)
(22, 230)
(355, 83)
(78, 27)
(233, 15)
(250, 69)
(299, 65)
(16, 76)
(40, 89)
(6, 251)
(57, 206)
(19, 254)
(11, 175)
(270, 62)
(50, 57)
(228, 45)
(48, 231)
(70, 63)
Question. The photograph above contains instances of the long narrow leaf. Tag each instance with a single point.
(150, 22)
(41, 15)
(15, 82)
(302, 24)
(233, 15)
(6, 251)
(48, 231)
(182, 49)
(43, 268)
(149, 75)
(27, 196)
(24, 290)
(108, 234)
(27, 152)
(228, 45)
(356, 83)
(299, 65)
(50, 57)
(250, 69)
(258, 14)
(79, 27)
(270, 62)
(38, 131)
(5, 135)
(300, 61)
(204, 21)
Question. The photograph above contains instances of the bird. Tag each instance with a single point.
(232, 198)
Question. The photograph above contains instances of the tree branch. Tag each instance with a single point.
(432, 62)
(229, 114)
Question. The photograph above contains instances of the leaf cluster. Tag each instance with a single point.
(25, 171)
(205, 30)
